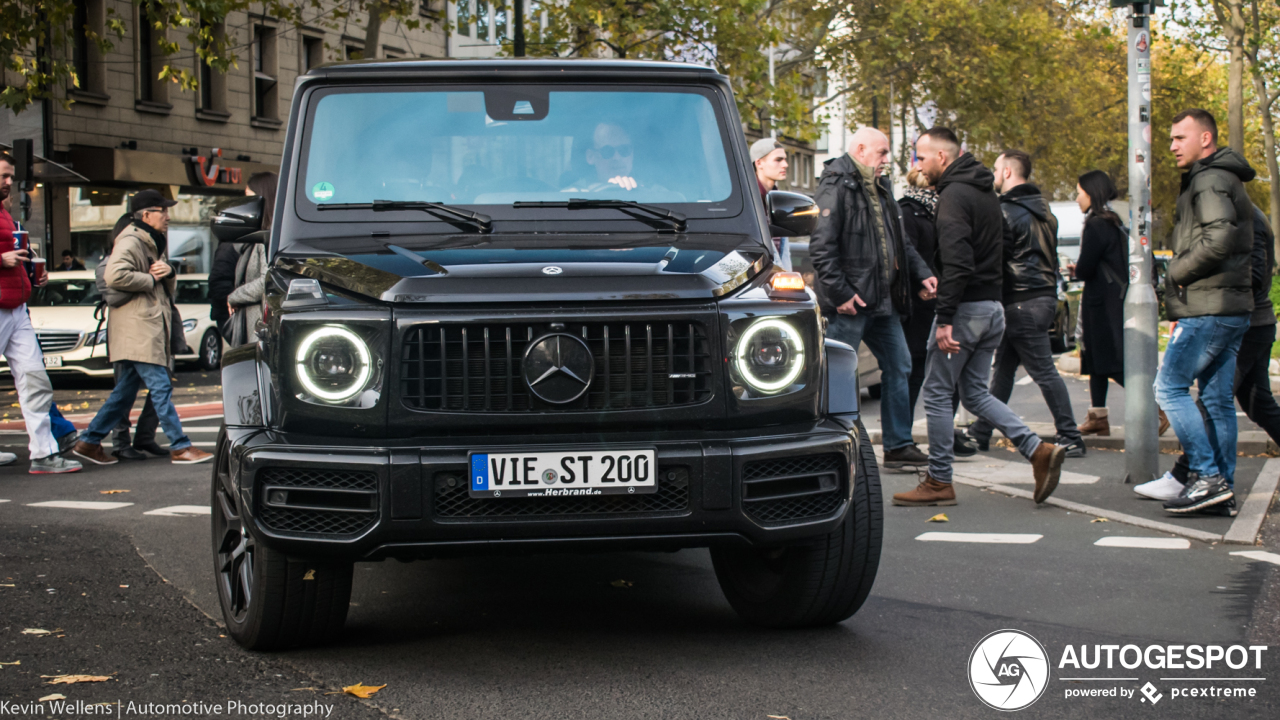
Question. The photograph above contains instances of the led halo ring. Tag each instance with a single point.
(744, 366)
(361, 349)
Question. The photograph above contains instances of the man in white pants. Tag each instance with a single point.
(19, 346)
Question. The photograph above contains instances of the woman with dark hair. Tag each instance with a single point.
(1104, 268)
(245, 302)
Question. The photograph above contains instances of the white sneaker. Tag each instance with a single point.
(7, 458)
(1164, 487)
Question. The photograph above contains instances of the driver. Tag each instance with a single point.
(611, 153)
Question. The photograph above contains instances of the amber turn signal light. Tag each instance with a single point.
(787, 281)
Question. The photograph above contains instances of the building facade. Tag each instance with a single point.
(125, 129)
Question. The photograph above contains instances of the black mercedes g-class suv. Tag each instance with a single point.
(532, 306)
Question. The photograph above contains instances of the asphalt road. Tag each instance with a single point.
(557, 637)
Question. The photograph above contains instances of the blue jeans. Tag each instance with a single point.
(131, 375)
(1203, 350)
(978, 328)
(883, 335)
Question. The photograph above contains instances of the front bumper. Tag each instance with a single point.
(321, 497)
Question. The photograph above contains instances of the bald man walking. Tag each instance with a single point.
(866, 274)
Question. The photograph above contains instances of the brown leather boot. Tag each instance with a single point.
(1097, 423)
(1046, 467)
(1164, 422)
(94, 453)
(928, 492)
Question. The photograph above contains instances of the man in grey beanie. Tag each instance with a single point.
(770, 159)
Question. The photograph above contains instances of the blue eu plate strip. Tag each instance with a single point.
(479, 472)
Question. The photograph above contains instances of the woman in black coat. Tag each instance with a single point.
(917, 219)
(1104, 268)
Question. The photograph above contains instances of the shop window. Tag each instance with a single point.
(266, 100)
(500, 23)
(482, 19)
(88, 18)
(354, 52)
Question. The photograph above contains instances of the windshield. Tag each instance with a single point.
(65, 292)
(192, 292)
(499, 145)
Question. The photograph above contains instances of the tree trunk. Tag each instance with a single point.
(1267, 115)
(1234, 30)
(373, 32)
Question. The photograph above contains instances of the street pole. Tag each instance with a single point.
(1141, 309)
(518, 9)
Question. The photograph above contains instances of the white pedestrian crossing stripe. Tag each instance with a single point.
(992, 538)
(1259, 555)
(1026, 380)
(180, 511)
(80, 505)
(4, 501)
(1145, 542)
(1017, 474)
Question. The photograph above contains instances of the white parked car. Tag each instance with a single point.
(73, 342)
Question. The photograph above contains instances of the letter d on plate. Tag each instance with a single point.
(479, 472)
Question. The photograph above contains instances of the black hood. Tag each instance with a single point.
(968, 171)
(1029, 197)
(527, 268)
(1226, 159)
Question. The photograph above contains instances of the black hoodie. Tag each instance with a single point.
(1030, 245)
(970, 236)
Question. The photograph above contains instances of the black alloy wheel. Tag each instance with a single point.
(211, 350)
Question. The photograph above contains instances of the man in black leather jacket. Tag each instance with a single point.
(866, 274)
(1030, 300)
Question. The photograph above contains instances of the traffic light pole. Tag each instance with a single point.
(1141, 309)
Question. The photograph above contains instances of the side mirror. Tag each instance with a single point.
(791, 214)
(236, 218)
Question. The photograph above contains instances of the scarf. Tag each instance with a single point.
(927, 197)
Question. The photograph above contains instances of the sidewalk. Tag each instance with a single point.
(193, 411)
(1252, 442)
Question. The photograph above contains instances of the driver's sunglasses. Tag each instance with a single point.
(606, 151)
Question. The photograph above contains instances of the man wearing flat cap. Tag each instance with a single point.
(139, 332)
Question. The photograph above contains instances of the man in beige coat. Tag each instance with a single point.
(138, 332)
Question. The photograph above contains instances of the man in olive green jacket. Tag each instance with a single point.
(1210, 295)
(138, 332)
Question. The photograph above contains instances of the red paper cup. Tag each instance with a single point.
(40, 271)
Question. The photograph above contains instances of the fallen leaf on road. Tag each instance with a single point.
(55, 696)
(302, 689)
(124, 586)
(778, 717)
(72, 679)
(940, 517)
(311, 575)
(7, 585)
(35, 631)
(15, 662)
(361, 690)
(1099, 520)
(622, 583)
(111, 492)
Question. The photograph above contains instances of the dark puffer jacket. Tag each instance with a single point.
(1030, 245)
(1263, 261)
(1210, 272)
(970, 234)
(848, 258)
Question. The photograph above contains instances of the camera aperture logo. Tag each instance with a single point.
(1008, 670)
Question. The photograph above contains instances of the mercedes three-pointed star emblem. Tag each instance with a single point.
(558, 368)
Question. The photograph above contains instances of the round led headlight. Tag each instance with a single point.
(770, 355)
(333, 363)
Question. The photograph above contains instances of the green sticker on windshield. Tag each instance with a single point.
(322, 191)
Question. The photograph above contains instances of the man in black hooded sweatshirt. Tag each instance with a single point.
(1030, 300)
(969, 320)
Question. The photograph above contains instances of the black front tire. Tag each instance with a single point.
(270, 601)
(211, 350)
(822, 582)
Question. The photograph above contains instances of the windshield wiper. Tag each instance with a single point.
(631, 207)
(480, 221)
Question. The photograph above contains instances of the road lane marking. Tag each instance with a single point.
(80, 505)
(1259, 555)
(993, 538)
(1026, 380)
(1145, 542)
(1253, 510)
(180, 511)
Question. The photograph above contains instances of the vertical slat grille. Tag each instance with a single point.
(477, 368)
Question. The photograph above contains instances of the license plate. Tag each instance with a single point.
(53, 361)
(564, 473)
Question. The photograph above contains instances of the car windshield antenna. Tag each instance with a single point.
(480, 221)
(674, 219)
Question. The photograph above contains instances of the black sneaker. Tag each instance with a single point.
(964, 446)
(128, 453)
(150, 447)
(1222, 509)
(908, 456)
(981, 445)
(1199, 494)
(68, 441)
(1074, 449)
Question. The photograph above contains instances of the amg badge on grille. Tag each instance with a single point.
(558, 368)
